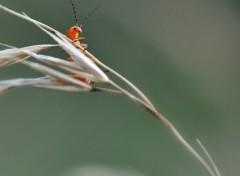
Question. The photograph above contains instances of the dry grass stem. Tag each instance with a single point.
(215, 168)
(170, 126)
(84, 67)
(139, 92)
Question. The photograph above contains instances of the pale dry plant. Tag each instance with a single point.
(84, 67)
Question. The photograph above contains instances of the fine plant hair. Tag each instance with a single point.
(55, 77)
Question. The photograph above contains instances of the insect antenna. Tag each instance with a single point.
(74, 13)
(94, 10)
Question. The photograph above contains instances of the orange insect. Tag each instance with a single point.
(74, 33)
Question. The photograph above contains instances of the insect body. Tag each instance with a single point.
(74, 33)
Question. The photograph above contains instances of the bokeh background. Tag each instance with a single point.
(183, 54)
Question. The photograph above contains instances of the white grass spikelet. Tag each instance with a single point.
(68, 66)
(43, 82)
(56, 75)
(12, 56)
(78, 57)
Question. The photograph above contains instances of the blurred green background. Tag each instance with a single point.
(183, 54)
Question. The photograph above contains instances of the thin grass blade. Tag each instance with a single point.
(65, 65)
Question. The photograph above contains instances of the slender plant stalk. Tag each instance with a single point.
(96, 89)
(209, 158)
(148, 106)
(26, 18)
(142, 100)
(170, 126)
(139, 92)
